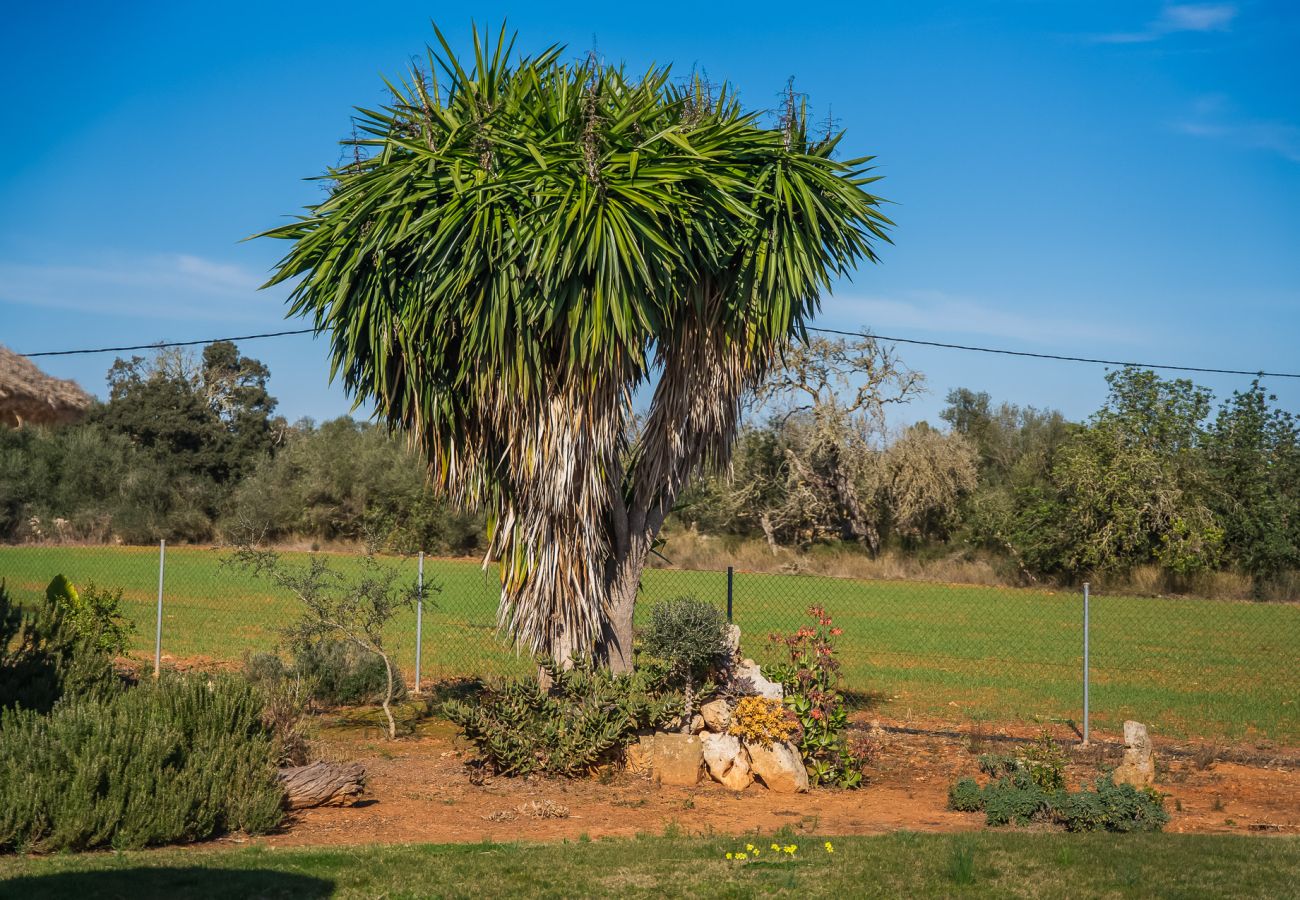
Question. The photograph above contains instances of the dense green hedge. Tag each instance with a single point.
(180, 760)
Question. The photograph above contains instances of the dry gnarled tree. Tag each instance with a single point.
(515, 248)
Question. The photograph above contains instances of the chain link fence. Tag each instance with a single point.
(910, 650)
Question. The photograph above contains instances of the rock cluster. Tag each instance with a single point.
(708, 750)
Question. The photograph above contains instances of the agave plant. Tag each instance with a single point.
(515, 249)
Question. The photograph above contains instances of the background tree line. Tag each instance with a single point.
(189, 448)
(1158, 479)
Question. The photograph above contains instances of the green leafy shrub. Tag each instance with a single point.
(94, 613)
(811, 676)
(342, 674)
(1045, 761)
(177, 760)
(44, 658)
(585, 718)
(1112, 807)
(690, 637)
(964, 796)
(1017, 798)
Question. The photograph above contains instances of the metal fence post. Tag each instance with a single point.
(1085, 663)
(157, 641)
(419, 620)
(731, 577)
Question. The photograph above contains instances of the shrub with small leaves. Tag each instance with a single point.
(177, 760)
(93, 613)
(761, 720)
(340, 673)
(690, 637)
(1017, 798)
(1045, 761)
(45, 658)
(1112, 807)
(965, 796)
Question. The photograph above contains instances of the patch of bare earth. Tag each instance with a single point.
(421, 791)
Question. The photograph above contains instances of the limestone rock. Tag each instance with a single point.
(779, 766)
(727, 761)
(678, 758)
(733, 642)
(717, 715)
(698, 724)
(639, 757)
(1139, 765)
(748, 670)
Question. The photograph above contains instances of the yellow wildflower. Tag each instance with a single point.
(740, 856)
(776, 847)
(728, 856)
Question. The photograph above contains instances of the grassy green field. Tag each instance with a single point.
(1188, 667)
(896, 865)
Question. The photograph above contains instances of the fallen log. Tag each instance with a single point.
(322, 784)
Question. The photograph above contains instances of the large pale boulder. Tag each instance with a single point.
(779, 766)
(717, 715)
(727, 761)
(1139, 765)
(748, 670)
(677, 759)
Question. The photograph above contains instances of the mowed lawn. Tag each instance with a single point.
(1189, 668)
(1016, 864)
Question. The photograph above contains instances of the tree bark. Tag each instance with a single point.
(322, 784)
(614, 649)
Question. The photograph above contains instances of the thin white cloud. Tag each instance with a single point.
(1178, 18)
(935, 313)
(1212, 117)
(171, 287)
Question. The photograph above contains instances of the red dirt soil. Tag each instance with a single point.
(420, 791)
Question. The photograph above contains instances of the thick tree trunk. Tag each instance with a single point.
(614, 650)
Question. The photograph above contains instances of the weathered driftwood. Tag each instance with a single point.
(322, 784)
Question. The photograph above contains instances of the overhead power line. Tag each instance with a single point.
(161, 344)
(1081, 359)
(854, 334)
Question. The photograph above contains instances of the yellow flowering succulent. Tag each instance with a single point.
(762, 721)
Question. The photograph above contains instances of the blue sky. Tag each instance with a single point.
(1099, 179)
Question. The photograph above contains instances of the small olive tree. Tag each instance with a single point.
(690, 635)
(353, 610)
